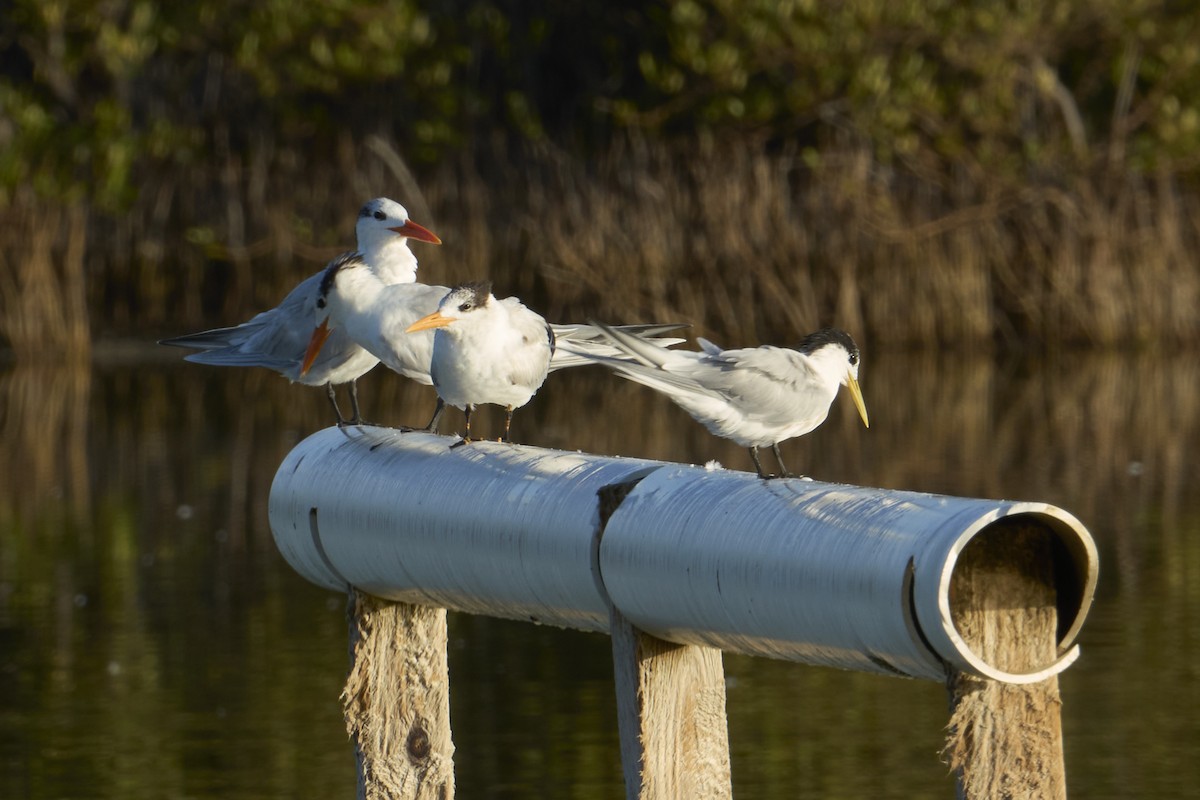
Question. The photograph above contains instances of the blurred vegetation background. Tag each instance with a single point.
(923, 174)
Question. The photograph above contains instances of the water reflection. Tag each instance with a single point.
(142, 600)
(43, 428)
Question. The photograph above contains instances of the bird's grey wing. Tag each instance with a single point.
(590, 332)
(585, 344)
(402, 304)
(409, 354)
(763, 382)
(286, 334)
(781, 364)
(644, 351)
(232, 357)
(280, 333)
(536, 348)
(668, 382)
(212, 339)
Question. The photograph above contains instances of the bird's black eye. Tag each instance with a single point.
(320, 302)
(464, 307)
(380, 215)
(853, 358)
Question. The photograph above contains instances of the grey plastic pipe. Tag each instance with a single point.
(826, 574)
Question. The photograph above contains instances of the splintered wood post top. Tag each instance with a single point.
(1005, 741)
(397, 700)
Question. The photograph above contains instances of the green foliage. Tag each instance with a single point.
(99, 91)
(94, 94)
(1001, 89)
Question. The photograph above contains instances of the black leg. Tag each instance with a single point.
(437, 417)
(783, 471)
(508, 425)
(758, 464)
(466, 439)
(333, 402)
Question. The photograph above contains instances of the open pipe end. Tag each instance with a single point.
(1012, 595)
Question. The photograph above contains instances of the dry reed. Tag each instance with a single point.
(43, 292)
(748, 246)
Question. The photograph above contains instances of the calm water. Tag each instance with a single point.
(154, 645)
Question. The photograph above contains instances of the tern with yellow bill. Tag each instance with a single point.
(486, 350)
(755, 396)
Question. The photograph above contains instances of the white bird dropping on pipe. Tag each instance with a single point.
(828, 574)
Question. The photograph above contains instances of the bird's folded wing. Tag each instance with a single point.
(781, 364)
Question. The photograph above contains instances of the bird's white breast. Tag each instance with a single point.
(497, 357)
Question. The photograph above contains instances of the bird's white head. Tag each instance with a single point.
(836, 356)
(383, 231)
(463, 302)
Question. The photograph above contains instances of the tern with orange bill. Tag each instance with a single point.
(278, 338)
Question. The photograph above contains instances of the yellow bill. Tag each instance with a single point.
(434, 320)
(856, 393)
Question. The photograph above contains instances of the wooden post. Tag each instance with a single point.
(397, 700)
(1005, 741)
(670, 704)
(671, 717)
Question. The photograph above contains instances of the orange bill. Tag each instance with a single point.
(314, 346)
(414, 231)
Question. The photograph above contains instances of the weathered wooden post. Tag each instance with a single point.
(670, 706)
(1006, 740)
(397, 700)
(680, 563)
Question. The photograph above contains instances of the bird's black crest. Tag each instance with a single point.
(371, 209)
(479, 289)
(818, 339)
(344, 261)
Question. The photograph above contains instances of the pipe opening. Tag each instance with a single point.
(1019, 591)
